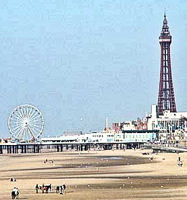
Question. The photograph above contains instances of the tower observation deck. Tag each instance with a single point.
(166, 97)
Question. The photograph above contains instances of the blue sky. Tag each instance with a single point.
(87, 59)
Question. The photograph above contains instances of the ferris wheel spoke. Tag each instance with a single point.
(27, 135)
(36, 131)
(37, 123)
(17, 113)
(15, 128)
(37, 113)
(24, 111)
(36, 127)
(33, 120)
(32, 113)
(35, 116)
(15, 123)
(24, 134)
(29, 112)
(16, 116)
(16, 132)
(32, 117)
(19, 135)
(33, 129)
(20, 112)
(31, 132)
(15, 119)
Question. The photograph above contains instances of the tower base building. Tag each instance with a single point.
(172, 126)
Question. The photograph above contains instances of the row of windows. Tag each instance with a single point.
(136, 136)
(102, 135)
(124, 136)
(97, 135)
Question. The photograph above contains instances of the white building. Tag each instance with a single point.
(169, 123)
(125, 136)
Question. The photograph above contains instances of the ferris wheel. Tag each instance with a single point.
(26, 123)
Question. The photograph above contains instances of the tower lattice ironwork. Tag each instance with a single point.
(166, 97)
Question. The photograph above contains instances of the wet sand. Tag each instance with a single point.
(96, 175)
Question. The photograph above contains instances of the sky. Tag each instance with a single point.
(82, 61)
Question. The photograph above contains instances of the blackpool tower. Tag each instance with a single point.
(166, 97)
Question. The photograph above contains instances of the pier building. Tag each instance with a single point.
(125, 136)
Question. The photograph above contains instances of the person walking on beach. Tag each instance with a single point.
(36, 188)
(57, 189)
(42, 188)
(61, 189)
(180, 163)
(15, 193)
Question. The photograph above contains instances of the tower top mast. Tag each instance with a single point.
(165, 33)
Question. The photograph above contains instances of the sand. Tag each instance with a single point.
(96, 175)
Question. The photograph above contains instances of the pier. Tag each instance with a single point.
(17, 148)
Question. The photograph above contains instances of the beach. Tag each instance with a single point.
(111, 174)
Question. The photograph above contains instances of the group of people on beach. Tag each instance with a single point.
(48, 161)
(46, 188)
(43, 188)
(61, 189)
(12, 179)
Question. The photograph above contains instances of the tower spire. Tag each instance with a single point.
(165, 27)
(166, 97)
